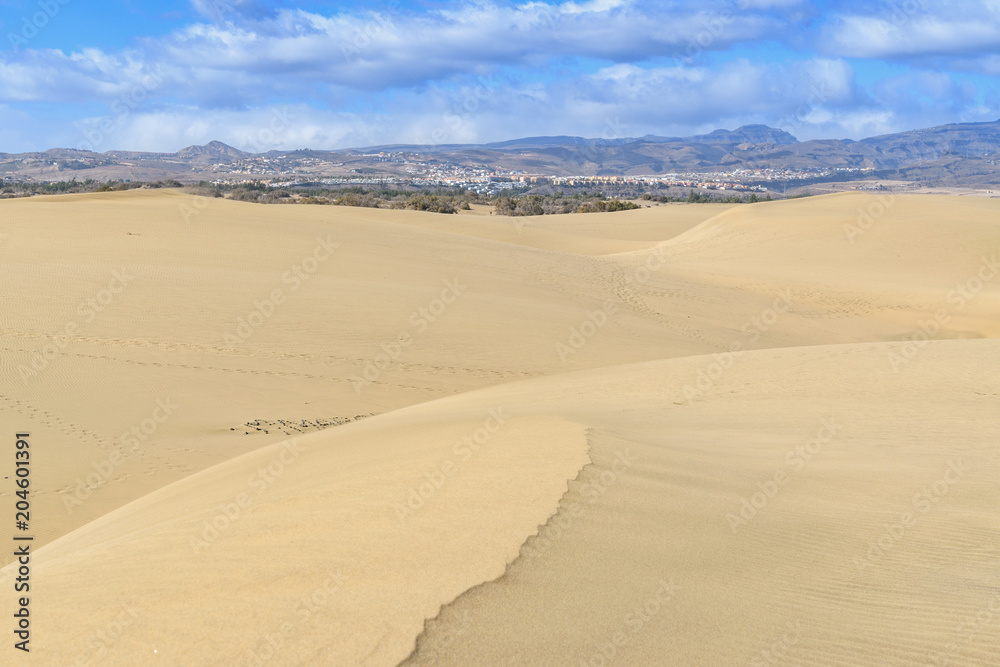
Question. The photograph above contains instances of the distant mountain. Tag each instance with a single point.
(748, 134)
(526, 143)
(956, 154)
(215, 149)
(542, 142)
(958, 139)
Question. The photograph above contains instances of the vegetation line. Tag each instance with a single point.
(442, 200)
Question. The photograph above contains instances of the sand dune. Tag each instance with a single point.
(654, 368)
(764, 519)
(315, 543)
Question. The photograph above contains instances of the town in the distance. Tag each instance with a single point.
(957, 158)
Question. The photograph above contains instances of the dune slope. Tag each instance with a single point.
(332, 547)
(272, 434)
(814, 507)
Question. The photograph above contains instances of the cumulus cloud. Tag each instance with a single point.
(818, 98)
(392, 47)
(491, 70)
(701, 96)
(913, 28)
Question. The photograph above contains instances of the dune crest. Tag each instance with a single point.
(352, 537)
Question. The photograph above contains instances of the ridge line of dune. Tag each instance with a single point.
(113, 514)
(520, 552)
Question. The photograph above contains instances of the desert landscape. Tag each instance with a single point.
(692, 434)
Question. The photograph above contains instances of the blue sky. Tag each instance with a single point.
(261, 75)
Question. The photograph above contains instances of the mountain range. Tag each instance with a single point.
(964, 154)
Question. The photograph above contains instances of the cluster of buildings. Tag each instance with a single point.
(398, 168)
(741, 180)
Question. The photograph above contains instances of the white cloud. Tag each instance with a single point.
(221, 10)
(383, 48)
(493, 70)
(911, 28)
(989, 64)
(253, 56)
(696, 96)
(812, 99)
(592, 6)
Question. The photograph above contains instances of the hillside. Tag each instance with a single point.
(957, 155)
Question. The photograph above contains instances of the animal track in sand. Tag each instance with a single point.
(52, 421)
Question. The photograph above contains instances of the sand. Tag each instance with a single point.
(690, 435)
